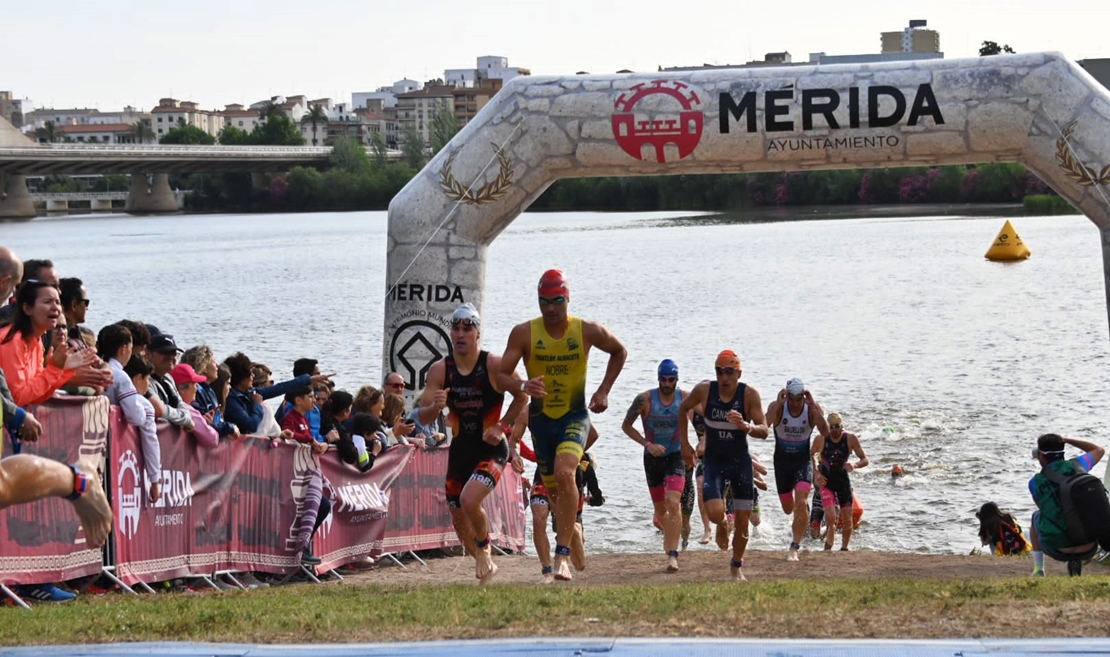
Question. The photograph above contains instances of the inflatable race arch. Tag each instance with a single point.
(1038, 109)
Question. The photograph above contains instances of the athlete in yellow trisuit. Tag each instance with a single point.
(555, 349)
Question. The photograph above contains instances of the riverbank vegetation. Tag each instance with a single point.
(358, 180)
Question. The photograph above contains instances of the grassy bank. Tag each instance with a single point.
(880, 608)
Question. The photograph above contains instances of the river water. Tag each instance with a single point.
(941, 361)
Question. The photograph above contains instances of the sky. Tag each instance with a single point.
(79, 53)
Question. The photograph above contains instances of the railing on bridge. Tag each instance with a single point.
(79, 196)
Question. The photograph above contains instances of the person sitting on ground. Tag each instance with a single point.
(207, 401)
(38, 308)
(1001, 531)
(1049, 529)
(162, 354)
(75, 303)
(186, 380)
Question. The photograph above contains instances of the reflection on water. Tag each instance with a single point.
(941, 361)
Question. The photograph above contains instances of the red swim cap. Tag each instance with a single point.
(553, 282)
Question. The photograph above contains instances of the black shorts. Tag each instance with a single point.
(789, 472)
(467, 462)
(659, 468)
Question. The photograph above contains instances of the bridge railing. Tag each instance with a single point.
(77, 196)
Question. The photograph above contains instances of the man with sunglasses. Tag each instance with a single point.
(555, 348)
(663, 465)
(794, 414)
(466, 383)
(733, 411)
(832, 477)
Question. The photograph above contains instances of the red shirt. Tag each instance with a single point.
(295, 421)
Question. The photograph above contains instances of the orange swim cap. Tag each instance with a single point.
(896, 471)
(727, 358)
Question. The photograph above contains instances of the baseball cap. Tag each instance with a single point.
(726, 358)
(667, 367)
(553, 281)
(467, 311)
(163, 344)
(795, 386)
(184, 373)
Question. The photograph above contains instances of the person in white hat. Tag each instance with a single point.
(794, 414)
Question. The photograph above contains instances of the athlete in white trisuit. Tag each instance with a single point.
(794, 414)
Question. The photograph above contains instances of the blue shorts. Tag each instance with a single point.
(738, 474)
(551, 437)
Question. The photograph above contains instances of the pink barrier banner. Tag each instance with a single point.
(419, 518)
(43, 542)
(237, 506)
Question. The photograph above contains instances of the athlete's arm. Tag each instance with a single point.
(814, 454)
(817, 416)
(434, 397)
(515, 351)
(774, 409)
(855, 446)
(598, 336)
(520, 400)
(753, 406)
(636, 410)
(691, 401)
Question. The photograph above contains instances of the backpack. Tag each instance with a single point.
(1083, 503)
(1010, 540)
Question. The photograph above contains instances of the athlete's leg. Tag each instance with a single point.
(672, 527)
(26, 478)
(706, 530)
(801, 517)
(541, 511)
(846, 519)
(565, 500)
(473, 494)
(578, 545)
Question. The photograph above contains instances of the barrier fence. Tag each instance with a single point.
(244, 505)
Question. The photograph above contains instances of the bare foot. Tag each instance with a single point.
(578, 549)
(672, 564)
(704, 540)
(93, 508)
(490, 574)
(792, 555)
(737, 575)
(562, 569)
(722, 535)
(548, 578)
(483, 564)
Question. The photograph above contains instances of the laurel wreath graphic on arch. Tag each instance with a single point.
(1073, 168)
(487, 193)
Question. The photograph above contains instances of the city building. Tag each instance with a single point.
(468, 101)
(914, 38)
(384, 97)
(14, 109)
(171, 113)
(100, 133)
(416, 109)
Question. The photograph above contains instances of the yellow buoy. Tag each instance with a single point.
(1007, 247)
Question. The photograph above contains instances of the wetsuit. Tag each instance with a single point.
(474, 406)
(727, 460)
(559, 421)
(792, 462)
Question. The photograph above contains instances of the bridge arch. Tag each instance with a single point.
(1039, 109)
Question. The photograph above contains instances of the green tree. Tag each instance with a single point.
(278, 130)
(412, 148)
(50, 133)
(316, 115)
(377, 144)
(232, 136)
(443, 126)
(142, 132)
(992, 48)
(187, 135)
(349, 155)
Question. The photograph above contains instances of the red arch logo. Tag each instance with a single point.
(681, 126)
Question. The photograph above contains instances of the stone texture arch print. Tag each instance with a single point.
(1039, 109)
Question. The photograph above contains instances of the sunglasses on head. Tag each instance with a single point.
(553, 301)
(727, 370)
